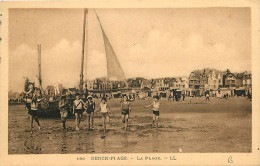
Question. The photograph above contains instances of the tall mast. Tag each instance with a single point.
(83, 50)
(44, 102)
(40, 69)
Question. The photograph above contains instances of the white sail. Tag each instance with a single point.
(114, 69)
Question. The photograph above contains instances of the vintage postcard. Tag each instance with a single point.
(130, 83)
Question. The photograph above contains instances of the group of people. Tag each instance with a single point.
(79, 106)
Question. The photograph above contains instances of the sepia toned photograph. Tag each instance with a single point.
(129, 80)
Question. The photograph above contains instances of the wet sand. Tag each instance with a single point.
(216, 126)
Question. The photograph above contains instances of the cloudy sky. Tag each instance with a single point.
(148, 42)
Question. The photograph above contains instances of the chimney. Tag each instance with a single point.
(228, 71)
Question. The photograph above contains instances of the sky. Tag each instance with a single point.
(149, 43)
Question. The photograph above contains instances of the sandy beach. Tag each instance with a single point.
(216, 126)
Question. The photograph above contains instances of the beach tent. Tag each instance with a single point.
(240, 92)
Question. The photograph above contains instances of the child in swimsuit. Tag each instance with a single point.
(78, 109)
(126, 109)
(63, 106)
(90, 107)
(156, 110)
(104, 111)
(33, 112)
(28, 97)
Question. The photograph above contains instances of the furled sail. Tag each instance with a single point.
(114, 69)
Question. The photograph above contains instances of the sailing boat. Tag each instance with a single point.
(114, 69)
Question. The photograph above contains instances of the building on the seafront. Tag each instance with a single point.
(247, 80)
(146, 83)
(214, 82)
(180, 84)
(229, 80)
(161, 85)
(135, 82)
(235, 84)
(204, 86)
(232, 82)
(102, 84)
(185, 84)
(247, 83)
(194, 83)
(217, 83)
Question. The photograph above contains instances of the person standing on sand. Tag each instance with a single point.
(104, 111)
(126, 109)
(190, 99)
(78, 109)
(156, 110)
(28, 97)
(207, 97)
(63, 106)
(90, 108)
(33, 112)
